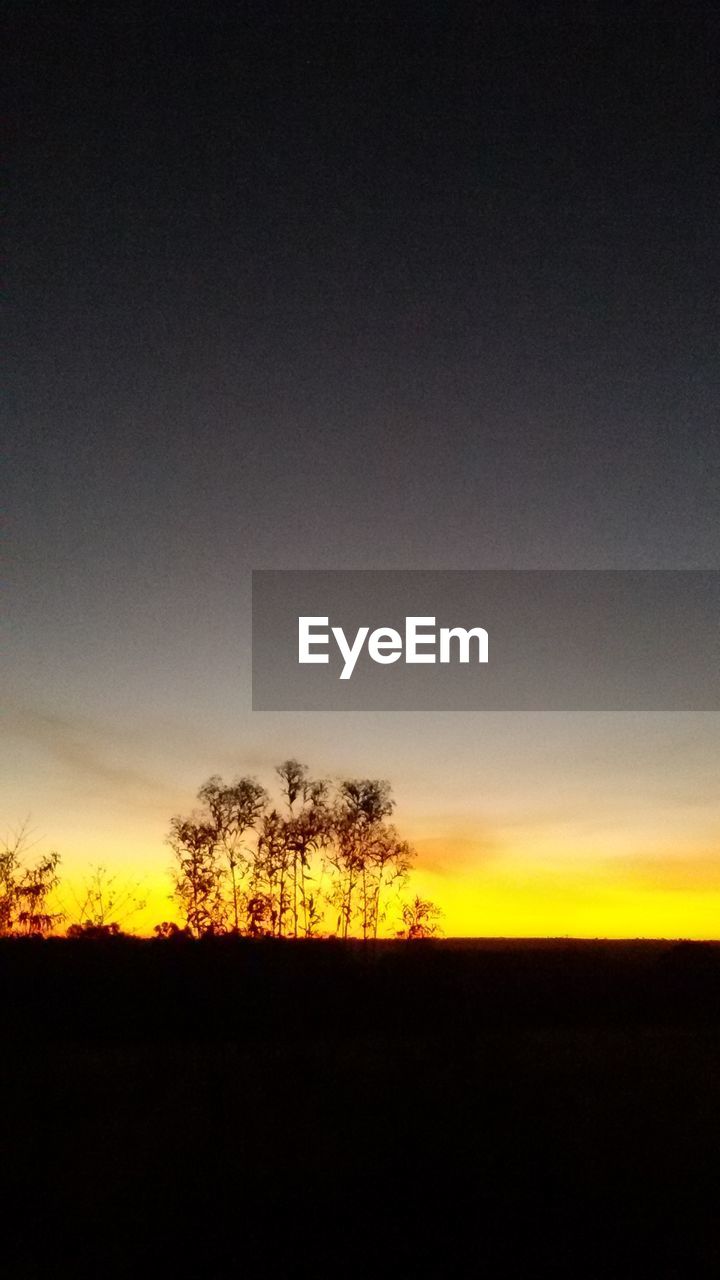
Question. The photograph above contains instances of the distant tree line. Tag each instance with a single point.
(34, 903)
(321, 860)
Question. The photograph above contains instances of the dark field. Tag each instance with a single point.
(230, 1108)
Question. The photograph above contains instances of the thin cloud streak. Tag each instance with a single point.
(85, 750)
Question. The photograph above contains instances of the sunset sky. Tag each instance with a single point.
(427, 292)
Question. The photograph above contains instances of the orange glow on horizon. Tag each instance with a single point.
(516, 895)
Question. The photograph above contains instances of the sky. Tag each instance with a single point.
(331, 287)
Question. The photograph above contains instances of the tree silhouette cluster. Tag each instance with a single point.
(26, 888)
(104, 907)
(322, 860)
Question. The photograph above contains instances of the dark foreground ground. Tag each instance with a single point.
(236, 1108)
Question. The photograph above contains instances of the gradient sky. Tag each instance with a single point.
(319, 287)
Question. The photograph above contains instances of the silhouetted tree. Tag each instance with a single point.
(265, 871)
(258, 915)
(35, 886)
(271, 875)
(421, 918)
(198, 875)
(170, 932)
(387, 863)
(94, 932)
(362, 850)
(211, 860)
(104, 901)
(8, 899)
(233, 811)
(307, 829)
(26, 888)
